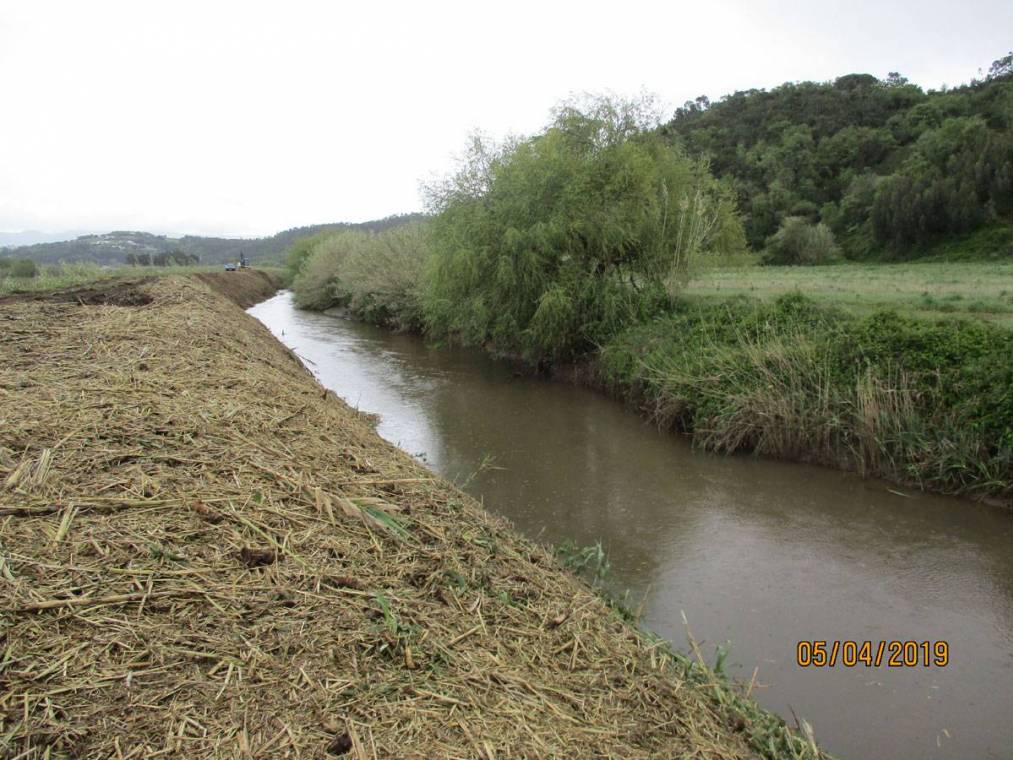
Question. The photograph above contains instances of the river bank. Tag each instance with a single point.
(207, 554)
(924, 404)
(921, 403)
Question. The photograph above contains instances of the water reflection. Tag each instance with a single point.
(758, 553)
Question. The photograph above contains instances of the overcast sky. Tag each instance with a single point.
(245, 118)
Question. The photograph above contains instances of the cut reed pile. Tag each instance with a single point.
(205, 555)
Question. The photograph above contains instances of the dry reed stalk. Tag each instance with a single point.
(150, 627)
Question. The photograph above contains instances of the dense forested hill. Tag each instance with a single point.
(890, 169)
(113, 248)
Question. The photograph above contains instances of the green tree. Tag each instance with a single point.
(1001, 67)
(378, 276)
(299, 252)
(23, 269)
(549, 244)
(940, 159)
(956, 177)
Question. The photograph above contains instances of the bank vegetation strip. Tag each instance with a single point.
(205, 554)
(579, 246)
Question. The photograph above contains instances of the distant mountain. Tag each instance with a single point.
(111, 248)
(31, 237)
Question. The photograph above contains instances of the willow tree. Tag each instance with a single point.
(550, 244)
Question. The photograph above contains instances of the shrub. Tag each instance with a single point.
(376, 275)
(315, 284)
(383, 276)
(799, 242)
(22, 269)
(298, 254)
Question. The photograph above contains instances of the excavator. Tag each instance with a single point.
(244, 263)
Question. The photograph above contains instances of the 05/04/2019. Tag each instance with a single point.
(892, 654)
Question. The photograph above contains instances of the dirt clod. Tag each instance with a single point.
(207, 513)
(340, 745)
(257, 557)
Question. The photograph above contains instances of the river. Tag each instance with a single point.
(757, 553)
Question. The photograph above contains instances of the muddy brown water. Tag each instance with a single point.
(757, 553)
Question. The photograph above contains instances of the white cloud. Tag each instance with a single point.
(243, 117)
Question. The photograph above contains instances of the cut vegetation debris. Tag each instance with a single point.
(203, 554)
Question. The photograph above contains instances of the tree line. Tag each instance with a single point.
(18, 268)
(174, 257)
(112, 248)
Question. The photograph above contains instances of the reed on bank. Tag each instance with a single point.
(921, 402)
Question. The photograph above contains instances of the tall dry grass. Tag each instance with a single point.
(72, 274)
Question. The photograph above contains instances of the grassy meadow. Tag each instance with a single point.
(973, 290)
(69, 275)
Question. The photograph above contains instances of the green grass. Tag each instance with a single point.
(919, 401)
(895, 370)
(980, 290)
(991, 242)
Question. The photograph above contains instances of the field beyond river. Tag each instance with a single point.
(980, 290)
(897, 371)
(206, 554)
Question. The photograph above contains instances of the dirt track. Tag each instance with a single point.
(203, 554)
